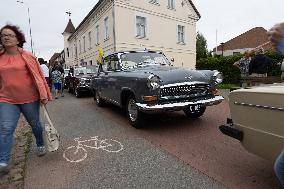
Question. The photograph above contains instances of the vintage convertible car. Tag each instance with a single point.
(79, 81)
(144, 82)
(257, 117)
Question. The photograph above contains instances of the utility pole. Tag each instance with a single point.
(22, 2)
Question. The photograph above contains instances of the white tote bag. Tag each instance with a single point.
(51, 136)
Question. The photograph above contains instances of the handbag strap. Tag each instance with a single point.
(46, 115)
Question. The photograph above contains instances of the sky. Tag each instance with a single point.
(49, 19)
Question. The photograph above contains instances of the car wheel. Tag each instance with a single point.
(135, 117)
(69, 89)
(77, 93)
(194, 111)
(99, 101)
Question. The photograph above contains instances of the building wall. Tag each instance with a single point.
(88, 56)
(161, 29)
(234, 51)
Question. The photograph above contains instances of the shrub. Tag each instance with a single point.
(231, 73)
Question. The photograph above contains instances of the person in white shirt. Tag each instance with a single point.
(44, 69)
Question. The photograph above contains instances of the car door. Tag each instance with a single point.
(112, 90)
(101, 80)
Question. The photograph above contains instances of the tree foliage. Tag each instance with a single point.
(201, 46)
(231, 73)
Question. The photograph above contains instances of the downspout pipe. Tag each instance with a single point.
(113, 26)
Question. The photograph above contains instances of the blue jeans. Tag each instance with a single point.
(9, 116)
(279, 168)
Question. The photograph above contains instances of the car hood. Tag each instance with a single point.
(170, 74)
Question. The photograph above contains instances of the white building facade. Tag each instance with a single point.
(117, 25)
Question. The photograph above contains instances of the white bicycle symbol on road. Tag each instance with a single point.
(75, 154)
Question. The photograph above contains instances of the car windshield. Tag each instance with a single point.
(85, 70)
(141, 59)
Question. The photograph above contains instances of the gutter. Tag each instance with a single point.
(113, 28)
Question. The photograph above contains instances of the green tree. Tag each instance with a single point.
(201, 46)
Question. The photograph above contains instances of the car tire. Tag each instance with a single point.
(77, 93)
(135, 117)
(99, 101)
(194, 111)
(69, 89)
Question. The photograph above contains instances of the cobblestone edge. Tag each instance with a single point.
(21, 148)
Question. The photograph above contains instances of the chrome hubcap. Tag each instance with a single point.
(97, 98)
(132, 110)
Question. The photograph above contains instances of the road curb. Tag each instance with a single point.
(21, 148)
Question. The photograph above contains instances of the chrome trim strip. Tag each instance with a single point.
(259, 106)
(180, 105)
(181, 84)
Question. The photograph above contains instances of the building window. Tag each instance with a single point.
(80, 47)
(171, 4)
(67, 51)
(91, 62)
(106, 28)
(84, 44)
(90, 39)
(75, 50)
(180, 34)
(156, 2)
(97, 34)
(141, 26)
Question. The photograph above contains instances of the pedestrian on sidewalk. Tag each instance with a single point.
(44, 69)
(22, 89)
(276, 36)
(57, 80)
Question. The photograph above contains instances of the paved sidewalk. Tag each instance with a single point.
(22, 140)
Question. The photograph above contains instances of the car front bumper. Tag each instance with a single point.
(230, 130)
(179, 105)
(84, 88)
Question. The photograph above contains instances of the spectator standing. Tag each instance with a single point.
(22, 89)
(44, 69)
(282, 69)
(276, 36)
(243, 65)
(259, 65)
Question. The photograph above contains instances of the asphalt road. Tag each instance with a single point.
(170, 152)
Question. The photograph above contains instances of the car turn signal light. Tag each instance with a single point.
(149, 98)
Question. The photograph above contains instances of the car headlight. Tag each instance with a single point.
(217, 78)
(82, 81)
(154, 82)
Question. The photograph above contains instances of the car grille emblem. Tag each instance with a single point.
(188, 77)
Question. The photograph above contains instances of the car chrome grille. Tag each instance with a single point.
(185, 91)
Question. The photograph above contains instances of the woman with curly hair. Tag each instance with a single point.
(22, 89)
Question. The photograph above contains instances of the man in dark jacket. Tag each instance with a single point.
(260, 65)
